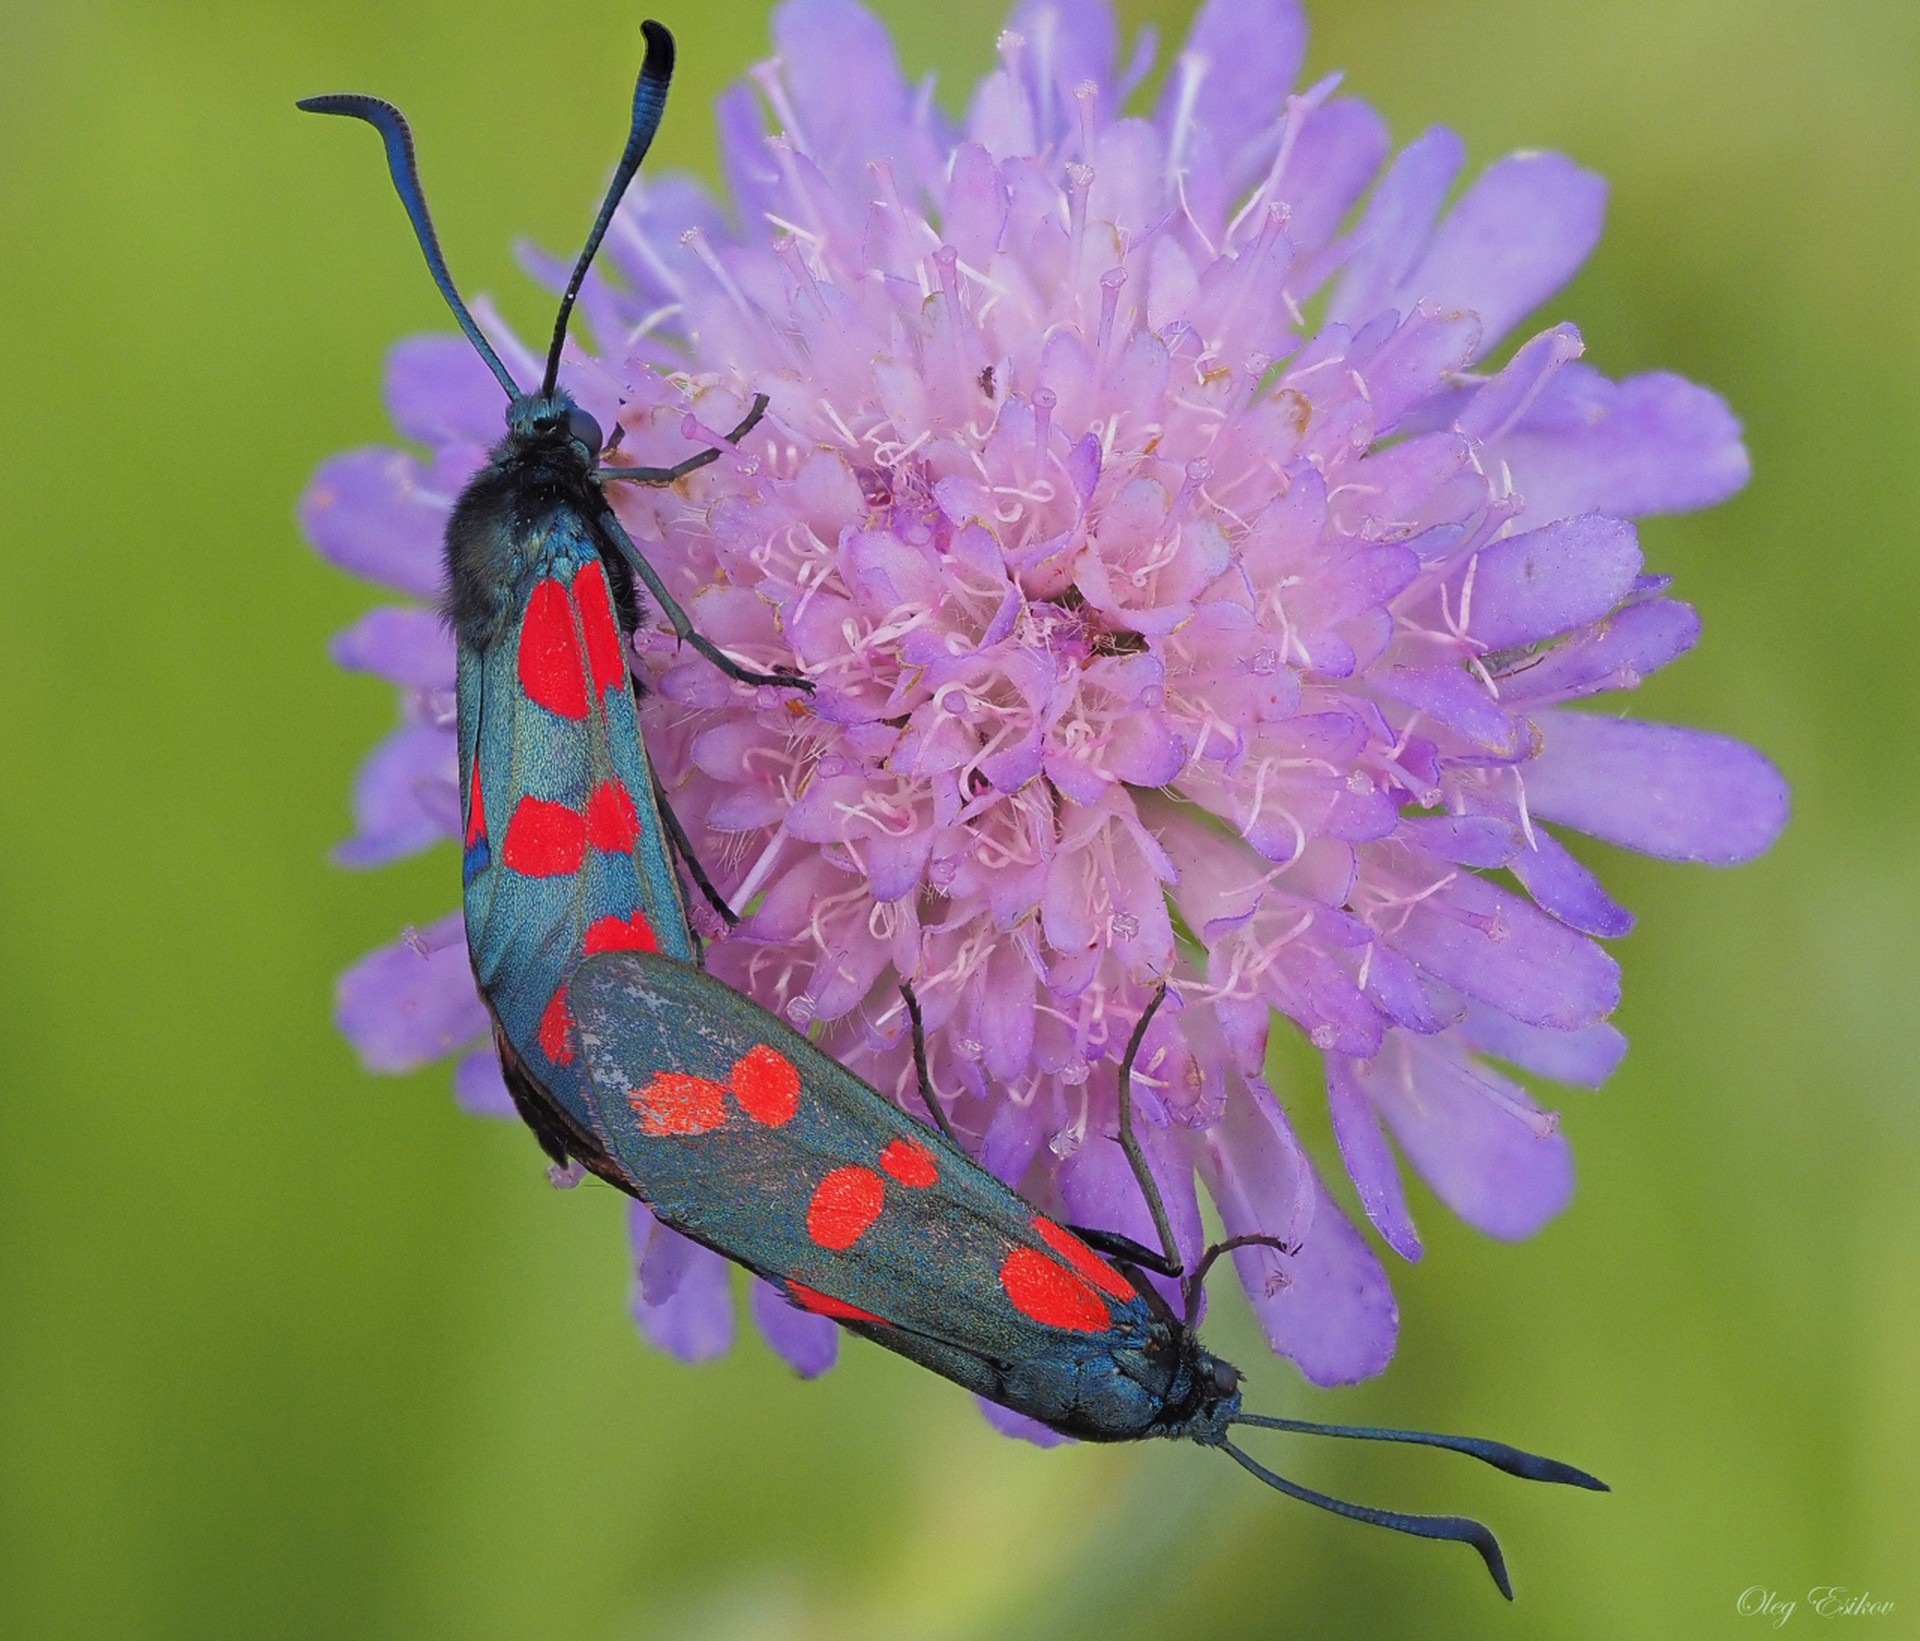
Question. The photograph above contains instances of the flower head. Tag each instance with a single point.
(1196, 583)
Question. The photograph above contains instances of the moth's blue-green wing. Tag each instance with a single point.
(564, 852)
(741, 1134)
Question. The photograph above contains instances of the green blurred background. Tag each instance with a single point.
(286, 1349)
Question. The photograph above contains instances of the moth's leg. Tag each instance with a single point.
(1197, 1282)
(1116, 1246)
(663, 476)
(677, 617)
(940, 1117)
(682, 846)
(668, 604)
(1130, 1142)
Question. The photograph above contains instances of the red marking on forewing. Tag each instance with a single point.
(1085, 1262)
(1048, 1292)
(766, 1085)
(911, 1163)
(604, 656)
(612, 821)
(556, 1030)
(621, 934)
(545, 839)
(844, 1204)
(549, 655)
(674, 1103)
(824, 1304)
(476, 807)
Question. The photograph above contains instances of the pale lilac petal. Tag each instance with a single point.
(1328, 1307)
(1618, 653)
(1495, 947)
(659, 208)
(370, 512)
(1681, 794)
(1518, 234)
(1338, 151)
(1546, 582)
(1245, 57)
(408, 646)
(1427, 348)
(808, 1344)
(682, 1293)
(1019, 1426)
(1395, 229)
(1649, 444)
(1485, 841)
(1492, 408)
(1488, 1152)
(827, 49)
(440, 391)
(1561, 885)
(1458, 699)
(1068, 43)
(394, 814)
(412, 1002)
(745, 161)
(480, 1089)
(1586, 1058)
(1369, 1160)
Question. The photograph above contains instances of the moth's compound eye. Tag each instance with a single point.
(1226, 1378)
(584, 429)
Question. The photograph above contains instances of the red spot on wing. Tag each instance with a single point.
(545, 839)
(549, 658)
(605, 658)
(767, 1086)
(612, 821)
(556, 1030)
(621, 934)
(824, 1304)
(1086, 1263)
(911, 1163)
(1048, 1292)
(674, 1103)
(844, 1204)
(476, 808)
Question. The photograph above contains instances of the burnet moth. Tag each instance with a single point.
(622, 1052)
(564, 853)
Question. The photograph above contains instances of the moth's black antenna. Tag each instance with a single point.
(1459, 1529)
(649, 103)
(393, 128)
(1527, 1466)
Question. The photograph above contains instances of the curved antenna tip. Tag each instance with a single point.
(649, 103)
(397, 137)
(659, 40)
(1455, 1529)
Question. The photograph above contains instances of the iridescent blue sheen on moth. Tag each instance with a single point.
(928, 1269)
(524, 932)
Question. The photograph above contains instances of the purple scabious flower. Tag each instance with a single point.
(1197, 582)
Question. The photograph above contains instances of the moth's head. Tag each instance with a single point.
(553, 420)
(1214, 1386)
(1203, 1397)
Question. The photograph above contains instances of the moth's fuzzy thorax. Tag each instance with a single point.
(538, 483)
